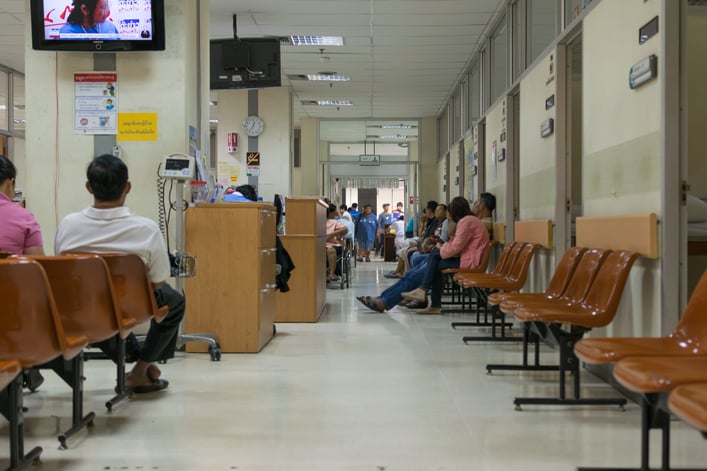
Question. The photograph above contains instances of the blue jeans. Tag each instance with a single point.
(432, 278)
(391, 296)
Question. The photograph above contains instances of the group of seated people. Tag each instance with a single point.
(107, 226)
(467, 238)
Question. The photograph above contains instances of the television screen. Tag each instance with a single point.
(245, 63)
(98, 25)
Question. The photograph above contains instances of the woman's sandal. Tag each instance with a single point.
(370, 303)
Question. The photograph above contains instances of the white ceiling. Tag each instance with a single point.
(403, 56)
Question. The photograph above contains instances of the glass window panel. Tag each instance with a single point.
(475, 92)
(499, 60)
(444, 131)
(456, 115)
(18, 96)
(3, 101)
(541, 26)
(517, 49)
(572, 10)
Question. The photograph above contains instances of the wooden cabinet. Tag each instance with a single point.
(305, 241)
(233, 292)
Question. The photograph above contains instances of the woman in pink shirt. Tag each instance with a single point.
(463, 250)
(19, 231)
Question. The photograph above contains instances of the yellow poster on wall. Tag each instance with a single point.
(137, 127)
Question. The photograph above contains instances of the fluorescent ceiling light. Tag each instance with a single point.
(329, 77)
(398, 126)
(397, 136)
(334, 102)
(317, 40)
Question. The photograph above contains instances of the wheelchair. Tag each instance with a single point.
(345, 256)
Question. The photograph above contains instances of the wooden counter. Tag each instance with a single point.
(233, 292)
(305, 241)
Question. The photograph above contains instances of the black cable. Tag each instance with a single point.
(162, 217)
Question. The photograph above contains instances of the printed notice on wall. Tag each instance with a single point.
(95, 102)
(137, 127)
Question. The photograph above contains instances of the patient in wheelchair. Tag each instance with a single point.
(334, 231)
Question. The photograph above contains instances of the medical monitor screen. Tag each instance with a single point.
(98, 25)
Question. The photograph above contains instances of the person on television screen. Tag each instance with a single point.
(89, 17)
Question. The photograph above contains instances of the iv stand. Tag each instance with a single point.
(210, 339)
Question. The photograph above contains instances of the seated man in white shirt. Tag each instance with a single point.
(107, 227)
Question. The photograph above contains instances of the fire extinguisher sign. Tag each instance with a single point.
(232, 142)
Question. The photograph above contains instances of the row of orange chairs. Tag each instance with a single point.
(669, 373)
(53, 307)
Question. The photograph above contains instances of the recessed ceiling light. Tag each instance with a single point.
(317, 40)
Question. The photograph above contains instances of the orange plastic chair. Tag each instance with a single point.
(133, 288)
(689, 403)
(511, 282)
(654, 378)
(555, 288)
(688, 338)
(565, 325)
(451, 272)
(32, 334)
(577, 288)
(86, 304)
(503, 267)
(9, 369)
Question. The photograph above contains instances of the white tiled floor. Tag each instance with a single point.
(356, 391)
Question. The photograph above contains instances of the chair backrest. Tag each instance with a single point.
(583, 275)
(519, 272)
(484, 263)
(133, 288)
(505, 264)
(693, 323)
(84, 296)
(608, 286)
(30, 328)
(564, 271)
(502, 258)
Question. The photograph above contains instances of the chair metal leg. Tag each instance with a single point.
(654, 415)
(72, 374)
(120, 388)
(525, 366)
(568, 362)
(497, 320)
(11, 408)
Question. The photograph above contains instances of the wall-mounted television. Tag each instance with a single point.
(98, 25)
(245, 63)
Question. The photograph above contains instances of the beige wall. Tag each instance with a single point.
(621, 127)
(697, 104)
(622, 143)
(496, 171)
(274, 144)
(307, 183)
(427, 142)
(538, 181)
(56, 158)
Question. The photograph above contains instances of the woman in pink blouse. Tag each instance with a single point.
(463, 250)
(19, 231)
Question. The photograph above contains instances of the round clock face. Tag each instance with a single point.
(253, 126)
